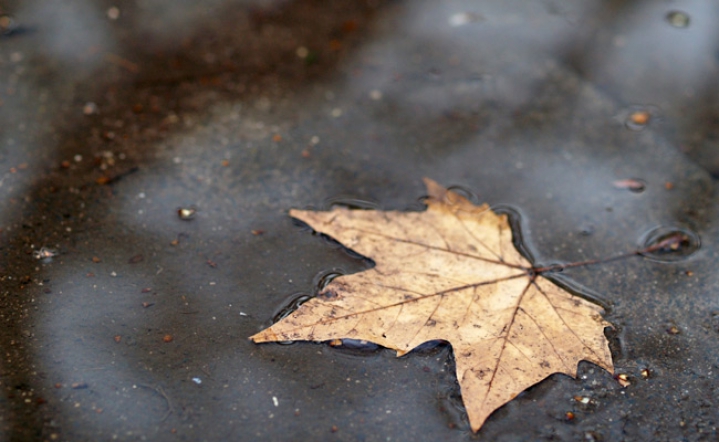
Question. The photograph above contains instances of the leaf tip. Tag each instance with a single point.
(434, 189)
(265, 335)
(441, 197)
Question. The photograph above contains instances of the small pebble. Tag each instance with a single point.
(640, 117)
(678, 19)
(89, 108)
(302, 52)
(186, 213)
(113, 13)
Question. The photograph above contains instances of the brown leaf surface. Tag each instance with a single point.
(450, 273)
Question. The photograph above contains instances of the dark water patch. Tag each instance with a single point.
(449, 396)
(614, 339)
(581, 291)
(514, 216)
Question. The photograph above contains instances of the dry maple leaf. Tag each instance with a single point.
(450, 273)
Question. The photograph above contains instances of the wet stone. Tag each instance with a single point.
(678, 19)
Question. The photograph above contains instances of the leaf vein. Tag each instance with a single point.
(599, 358)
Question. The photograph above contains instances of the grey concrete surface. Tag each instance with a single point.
(121, 320)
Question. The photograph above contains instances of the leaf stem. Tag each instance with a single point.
(669, 244)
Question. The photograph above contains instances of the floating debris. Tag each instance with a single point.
(631, 184)
(45, 253)
(668, 243)
(186, 213)
(464, 18)
(103, 180)
(638, 119)
(584, 400)
(623, 380)
(8, 25)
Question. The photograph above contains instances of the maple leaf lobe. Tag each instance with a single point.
(450, 273)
